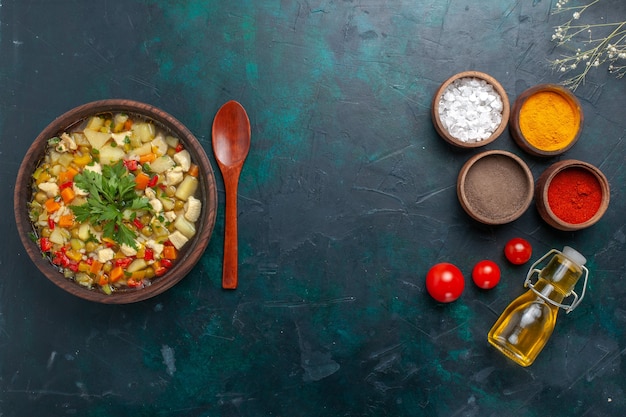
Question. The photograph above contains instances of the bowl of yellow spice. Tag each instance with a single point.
(546, 120)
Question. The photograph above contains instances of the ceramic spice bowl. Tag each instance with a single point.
(546, 120)
(572, 195)
(495, 187)
(470, 109)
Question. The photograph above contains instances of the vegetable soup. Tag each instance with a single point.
(114, 202)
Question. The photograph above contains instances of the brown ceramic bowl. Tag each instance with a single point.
(190, 253)
(532, 147)
(495, 187)
(440, 127)
(578, 211)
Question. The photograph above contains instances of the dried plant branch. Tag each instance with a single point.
(607, 48)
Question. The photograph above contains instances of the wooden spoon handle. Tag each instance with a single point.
(231, 252)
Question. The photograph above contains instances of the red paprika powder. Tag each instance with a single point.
(574, 195)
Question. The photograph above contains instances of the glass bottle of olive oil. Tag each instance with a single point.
(527, 323)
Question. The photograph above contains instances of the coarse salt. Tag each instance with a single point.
(470, 109)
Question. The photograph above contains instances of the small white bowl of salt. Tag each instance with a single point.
(470, 109)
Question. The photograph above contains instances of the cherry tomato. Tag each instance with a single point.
(518, 251)
(445, 282)
(486, 274)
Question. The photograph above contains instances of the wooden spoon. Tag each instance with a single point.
(231, 142)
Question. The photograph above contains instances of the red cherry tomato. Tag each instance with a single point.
(518, 251)
(486, 274)
(445, 282)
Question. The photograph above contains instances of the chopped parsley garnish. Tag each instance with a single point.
(110, 195)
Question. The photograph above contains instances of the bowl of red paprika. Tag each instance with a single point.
(115, 201)
(572, 195)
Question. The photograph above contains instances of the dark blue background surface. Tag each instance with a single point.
(346, 199)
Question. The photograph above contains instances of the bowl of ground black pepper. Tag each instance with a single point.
(495, 187)
(470, 109)
(572, 195)
(546, 120)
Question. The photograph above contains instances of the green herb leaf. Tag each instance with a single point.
(110, 195)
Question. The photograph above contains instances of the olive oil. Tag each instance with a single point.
(527, 323)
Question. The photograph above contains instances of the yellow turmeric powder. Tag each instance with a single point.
(549, 121)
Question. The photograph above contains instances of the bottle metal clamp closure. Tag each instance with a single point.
(575, 302)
